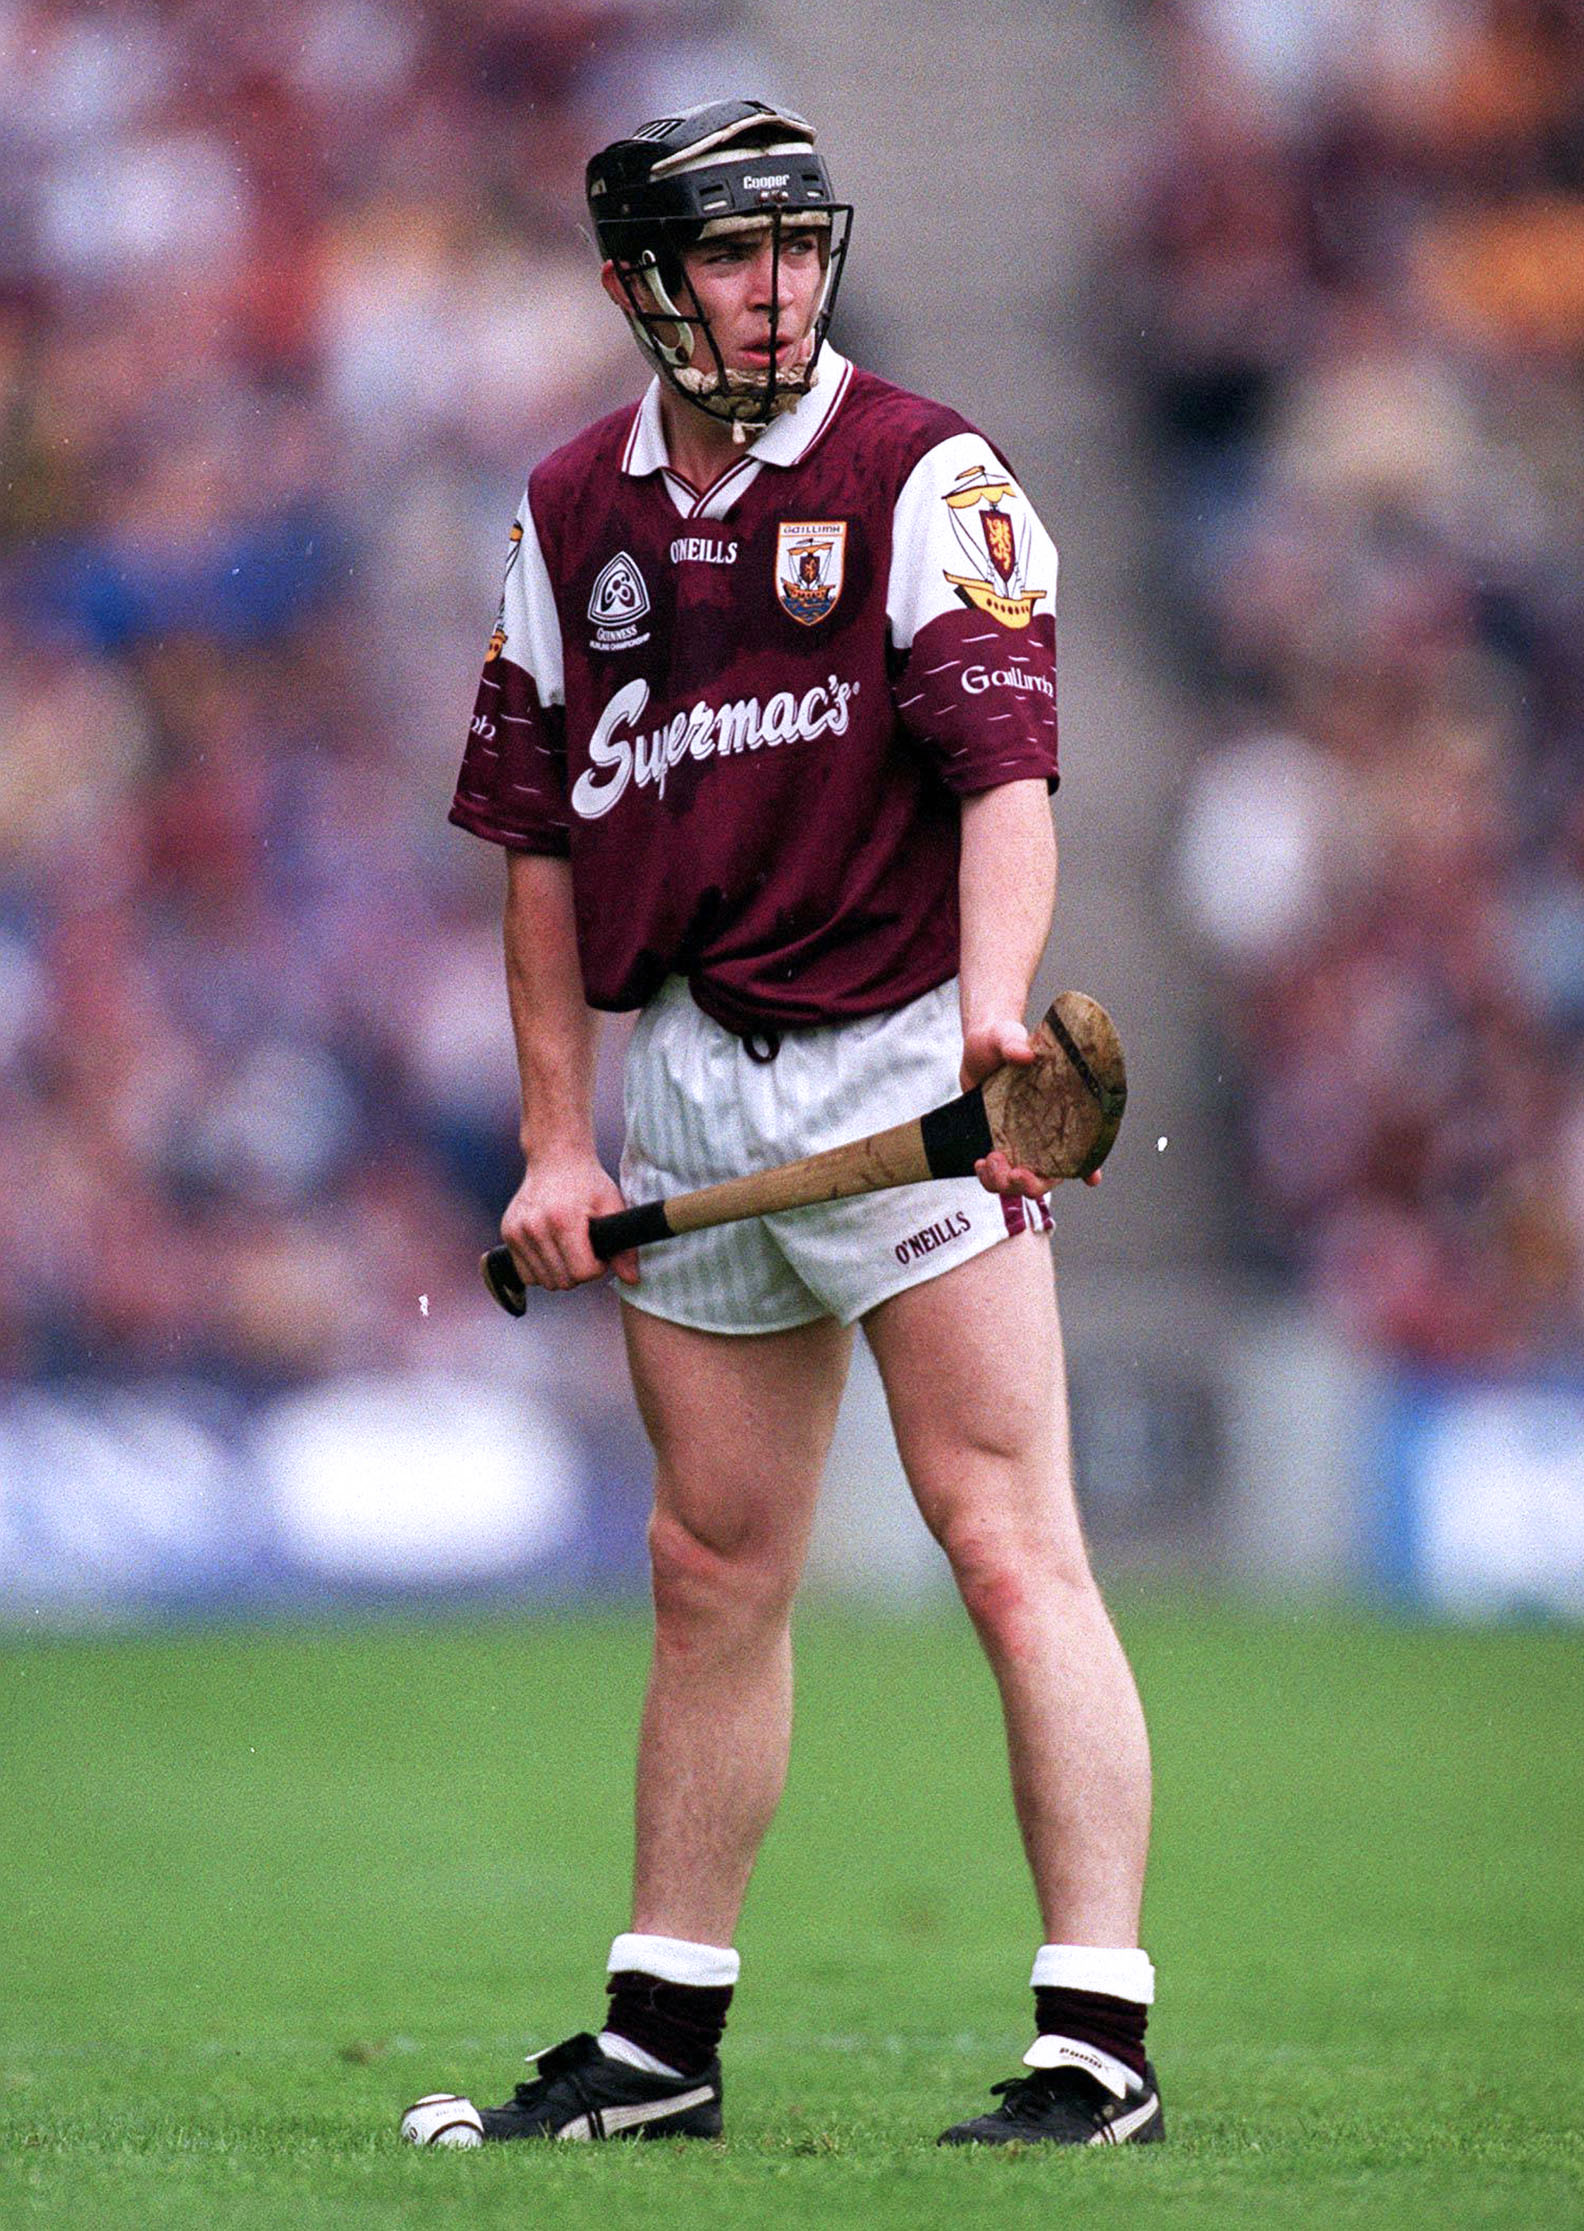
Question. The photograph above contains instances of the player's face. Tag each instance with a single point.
(736, 279)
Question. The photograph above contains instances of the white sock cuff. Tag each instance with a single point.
(1119, 1972)
(675, 1960)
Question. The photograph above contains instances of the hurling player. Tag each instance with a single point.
(767, 733)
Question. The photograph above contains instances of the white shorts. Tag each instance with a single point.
(700, 1108)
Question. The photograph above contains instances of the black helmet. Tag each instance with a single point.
(726, 165)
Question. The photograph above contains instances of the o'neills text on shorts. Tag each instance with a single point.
(703, 731)
(934, 1235)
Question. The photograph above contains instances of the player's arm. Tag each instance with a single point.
(557, 1035)
(1006, 887)
(970, 604)
(1006, 896)
(512, 791)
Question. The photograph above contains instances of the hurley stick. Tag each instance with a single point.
(1056, 1116)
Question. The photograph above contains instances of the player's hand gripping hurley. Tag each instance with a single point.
(1056, 1116)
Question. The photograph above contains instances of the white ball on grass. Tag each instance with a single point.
(442, 2119)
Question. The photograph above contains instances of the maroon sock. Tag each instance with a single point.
(1114, 2026)
(679, 2023)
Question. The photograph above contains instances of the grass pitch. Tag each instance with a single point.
(261, 1889)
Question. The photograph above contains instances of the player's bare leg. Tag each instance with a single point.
(740, 1426)
(973, 1372)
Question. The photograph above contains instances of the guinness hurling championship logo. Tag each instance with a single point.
(497, 639)
(811, 557)
(617, 603)
(996, 584)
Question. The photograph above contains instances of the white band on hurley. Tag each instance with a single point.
(1119, 1972)
(710, 1967)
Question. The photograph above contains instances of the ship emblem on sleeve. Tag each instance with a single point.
(811, 556)
(998, 552)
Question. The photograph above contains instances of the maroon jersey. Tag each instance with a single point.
(747, 717)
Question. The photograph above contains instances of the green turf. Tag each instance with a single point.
(262, 1889)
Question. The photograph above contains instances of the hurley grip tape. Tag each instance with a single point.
(629, 1227)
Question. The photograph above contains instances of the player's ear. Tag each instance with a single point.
(612, 285)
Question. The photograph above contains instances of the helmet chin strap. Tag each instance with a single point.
(676, 354)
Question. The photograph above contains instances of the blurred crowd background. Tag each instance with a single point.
(1355, 320)
(291, 299)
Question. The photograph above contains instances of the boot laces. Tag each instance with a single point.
(561, 2062)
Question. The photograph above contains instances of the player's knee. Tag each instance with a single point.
(730, 1579)
(1011, 1583)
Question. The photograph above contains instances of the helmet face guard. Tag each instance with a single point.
(686, 178)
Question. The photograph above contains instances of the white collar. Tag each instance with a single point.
(784, 441)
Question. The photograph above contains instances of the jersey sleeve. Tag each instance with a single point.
(971, 606)
(512, 788)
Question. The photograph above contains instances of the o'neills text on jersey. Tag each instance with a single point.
(703, 550)
(702, 732)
